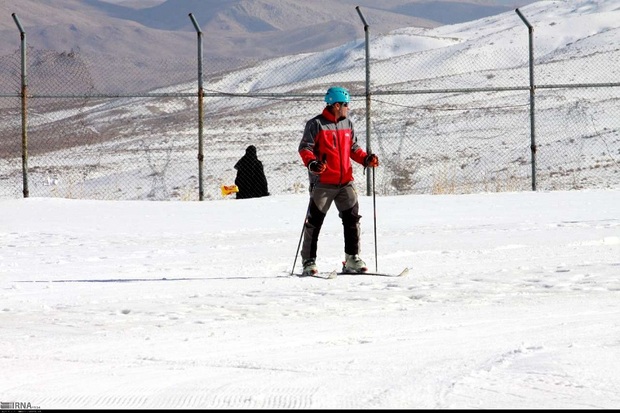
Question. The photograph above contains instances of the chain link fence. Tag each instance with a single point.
(442, 120)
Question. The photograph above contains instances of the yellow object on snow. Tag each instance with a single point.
(229, 189)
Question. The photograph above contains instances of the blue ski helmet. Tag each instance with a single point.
(336, 94)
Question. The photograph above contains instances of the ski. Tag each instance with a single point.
(322, 275)
(380, 274)
(334, 274)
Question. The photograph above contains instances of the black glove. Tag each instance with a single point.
(317, 167)
(371, 161)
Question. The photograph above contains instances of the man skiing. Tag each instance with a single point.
(326, 148)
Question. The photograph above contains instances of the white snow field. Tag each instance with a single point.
(512, 301)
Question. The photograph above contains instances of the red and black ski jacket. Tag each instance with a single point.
(333, 142)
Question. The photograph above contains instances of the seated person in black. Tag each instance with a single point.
(250, 179)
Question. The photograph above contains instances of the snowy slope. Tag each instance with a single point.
(511, 302)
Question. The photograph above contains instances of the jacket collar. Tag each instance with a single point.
(329, 116)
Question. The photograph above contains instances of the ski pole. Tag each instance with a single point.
(312, 185)
(302, 231)
(374, 209)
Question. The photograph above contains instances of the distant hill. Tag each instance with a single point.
(154, 40)
(450, 12)
(257, 28)
(267, 15)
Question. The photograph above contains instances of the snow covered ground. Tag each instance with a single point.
(512, 301)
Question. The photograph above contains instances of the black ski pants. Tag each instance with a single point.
(321, 198)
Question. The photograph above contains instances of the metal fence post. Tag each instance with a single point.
(200, 111)
(368, 147)
(24, 96)
(530, 29)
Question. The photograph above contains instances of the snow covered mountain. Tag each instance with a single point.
(238, 30)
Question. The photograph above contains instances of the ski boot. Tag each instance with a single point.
(353, 264)
(310, 267)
